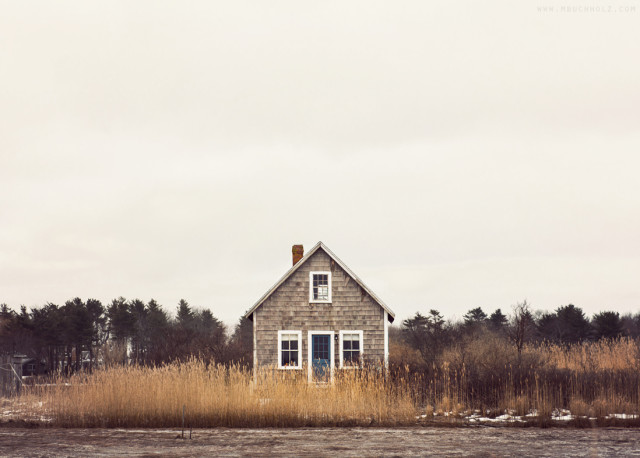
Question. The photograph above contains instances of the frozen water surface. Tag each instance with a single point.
(416, 441)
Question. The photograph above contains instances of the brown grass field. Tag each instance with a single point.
(592, 380)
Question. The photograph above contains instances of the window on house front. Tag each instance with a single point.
(320, 287)
(350, 348)
(289, 349)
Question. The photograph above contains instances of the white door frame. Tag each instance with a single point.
(332, 346)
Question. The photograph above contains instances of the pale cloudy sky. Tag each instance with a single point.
(454, 154)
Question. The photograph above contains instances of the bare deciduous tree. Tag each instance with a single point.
(522, 325)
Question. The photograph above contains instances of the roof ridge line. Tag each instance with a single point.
(297, 265)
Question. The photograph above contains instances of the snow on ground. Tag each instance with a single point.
(562, 415)
(510, 416)
(622, 416)
(17, 410)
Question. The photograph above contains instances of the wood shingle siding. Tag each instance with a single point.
(287, 307)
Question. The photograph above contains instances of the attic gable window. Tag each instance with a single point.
(320, 287)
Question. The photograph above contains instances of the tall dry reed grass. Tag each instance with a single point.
(603, 355)
(216, 395)
(484, 373)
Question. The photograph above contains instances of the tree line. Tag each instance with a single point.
(430, 334)
(80, 334)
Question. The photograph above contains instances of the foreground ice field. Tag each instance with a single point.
(468, 441)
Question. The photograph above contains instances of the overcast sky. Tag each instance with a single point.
(453, 154)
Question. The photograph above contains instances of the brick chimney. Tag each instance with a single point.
(298, 253)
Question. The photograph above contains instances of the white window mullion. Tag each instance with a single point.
(320, 287)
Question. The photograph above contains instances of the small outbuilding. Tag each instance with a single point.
(320, 317)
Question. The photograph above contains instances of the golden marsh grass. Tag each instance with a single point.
(216, 395)
(592, 380)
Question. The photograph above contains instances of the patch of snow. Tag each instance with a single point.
(500, 419)
(622, 416)
(562, 415)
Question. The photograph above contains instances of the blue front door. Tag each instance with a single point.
(321, 356)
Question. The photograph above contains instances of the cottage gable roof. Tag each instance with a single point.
(321, 246)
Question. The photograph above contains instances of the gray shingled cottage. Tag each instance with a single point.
(319, 311)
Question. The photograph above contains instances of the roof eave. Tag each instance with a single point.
(282, 279)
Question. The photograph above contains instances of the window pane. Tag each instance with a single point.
(355, 345)
(351, 356)
(285, 344)
(320, 287)
(285, 358)
(293, 358)
(293, 345)
(346, 344)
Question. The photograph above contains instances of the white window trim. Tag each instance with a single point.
(360, 335)
(310, 354)
(299, 334)
(311, 299)
(255, 346)
(386, 342)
